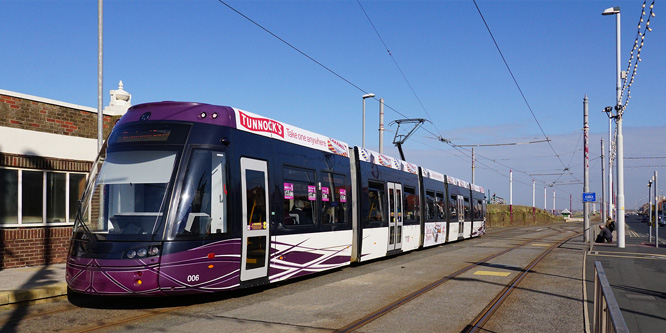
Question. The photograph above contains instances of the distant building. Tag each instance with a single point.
(46, 150)
(566, 213)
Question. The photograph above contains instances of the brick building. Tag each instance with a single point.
(46, 150)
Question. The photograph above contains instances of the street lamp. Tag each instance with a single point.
(364, 97)
(620, 140)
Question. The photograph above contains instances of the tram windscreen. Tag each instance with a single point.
(129, 195)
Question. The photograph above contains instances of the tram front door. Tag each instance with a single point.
(254, 187)
(395, 216)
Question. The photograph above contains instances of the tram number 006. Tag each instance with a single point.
(192, 278)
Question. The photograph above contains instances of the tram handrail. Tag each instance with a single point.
(607, 314)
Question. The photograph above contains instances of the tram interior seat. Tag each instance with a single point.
(198, 223)
(294, 218)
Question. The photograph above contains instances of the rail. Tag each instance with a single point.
(607, 314)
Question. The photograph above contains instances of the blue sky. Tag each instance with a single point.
(202, 51)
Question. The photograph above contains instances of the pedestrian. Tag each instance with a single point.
(605, 235)
(610, 224)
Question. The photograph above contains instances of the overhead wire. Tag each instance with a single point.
(398, 66)
(439, 136)
(293, 47)
(515, 81)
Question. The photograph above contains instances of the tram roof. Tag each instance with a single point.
(235, 118)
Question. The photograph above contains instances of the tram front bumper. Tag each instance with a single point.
(113, 277)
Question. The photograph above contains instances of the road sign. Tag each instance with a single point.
(589, 197)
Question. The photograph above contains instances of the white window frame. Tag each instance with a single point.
(69, 220)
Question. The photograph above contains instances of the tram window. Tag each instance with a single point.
(376, 195)
(411, 204)
(300, 197)
(453, 208)
(439, 203)
(478, 209)
(202, 207)
(468, 214)
(256, 199)
(333, 198)
(431, 210)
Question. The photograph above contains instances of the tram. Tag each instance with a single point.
(192, 198)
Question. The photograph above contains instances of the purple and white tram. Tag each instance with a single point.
(188, 198)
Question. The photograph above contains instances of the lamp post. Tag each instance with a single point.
(100, 47)
(619, 216)
(650, 207)
(364, 97)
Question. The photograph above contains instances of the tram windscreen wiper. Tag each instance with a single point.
(79, 222)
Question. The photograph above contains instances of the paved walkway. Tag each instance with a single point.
(25, 284)
(636, 273)
(637, 276)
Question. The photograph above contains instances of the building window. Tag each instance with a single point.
(29, 197)
(8, 196)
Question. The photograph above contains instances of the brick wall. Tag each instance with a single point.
(42, 117)
(33, 246)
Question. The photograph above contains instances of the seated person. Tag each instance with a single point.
(303, 216)
(605, 235)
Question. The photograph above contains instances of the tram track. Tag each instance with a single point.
(488, 311)
(124, 318)
(483, 317)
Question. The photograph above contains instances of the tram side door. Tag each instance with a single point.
(460, 203)
(395, 216)
(254, 187)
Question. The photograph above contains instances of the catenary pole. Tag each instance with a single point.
(604, 209)
(381, 125)
(656, 211)
(511, 195)
(586, 173)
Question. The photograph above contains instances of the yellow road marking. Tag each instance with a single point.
(489, 273)
(540, 244)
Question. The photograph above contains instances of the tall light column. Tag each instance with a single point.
(620, 140)
(364, 97)
(100, 115)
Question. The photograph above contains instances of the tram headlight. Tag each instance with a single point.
(131, 254)
(154, 251)
(141, 252)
